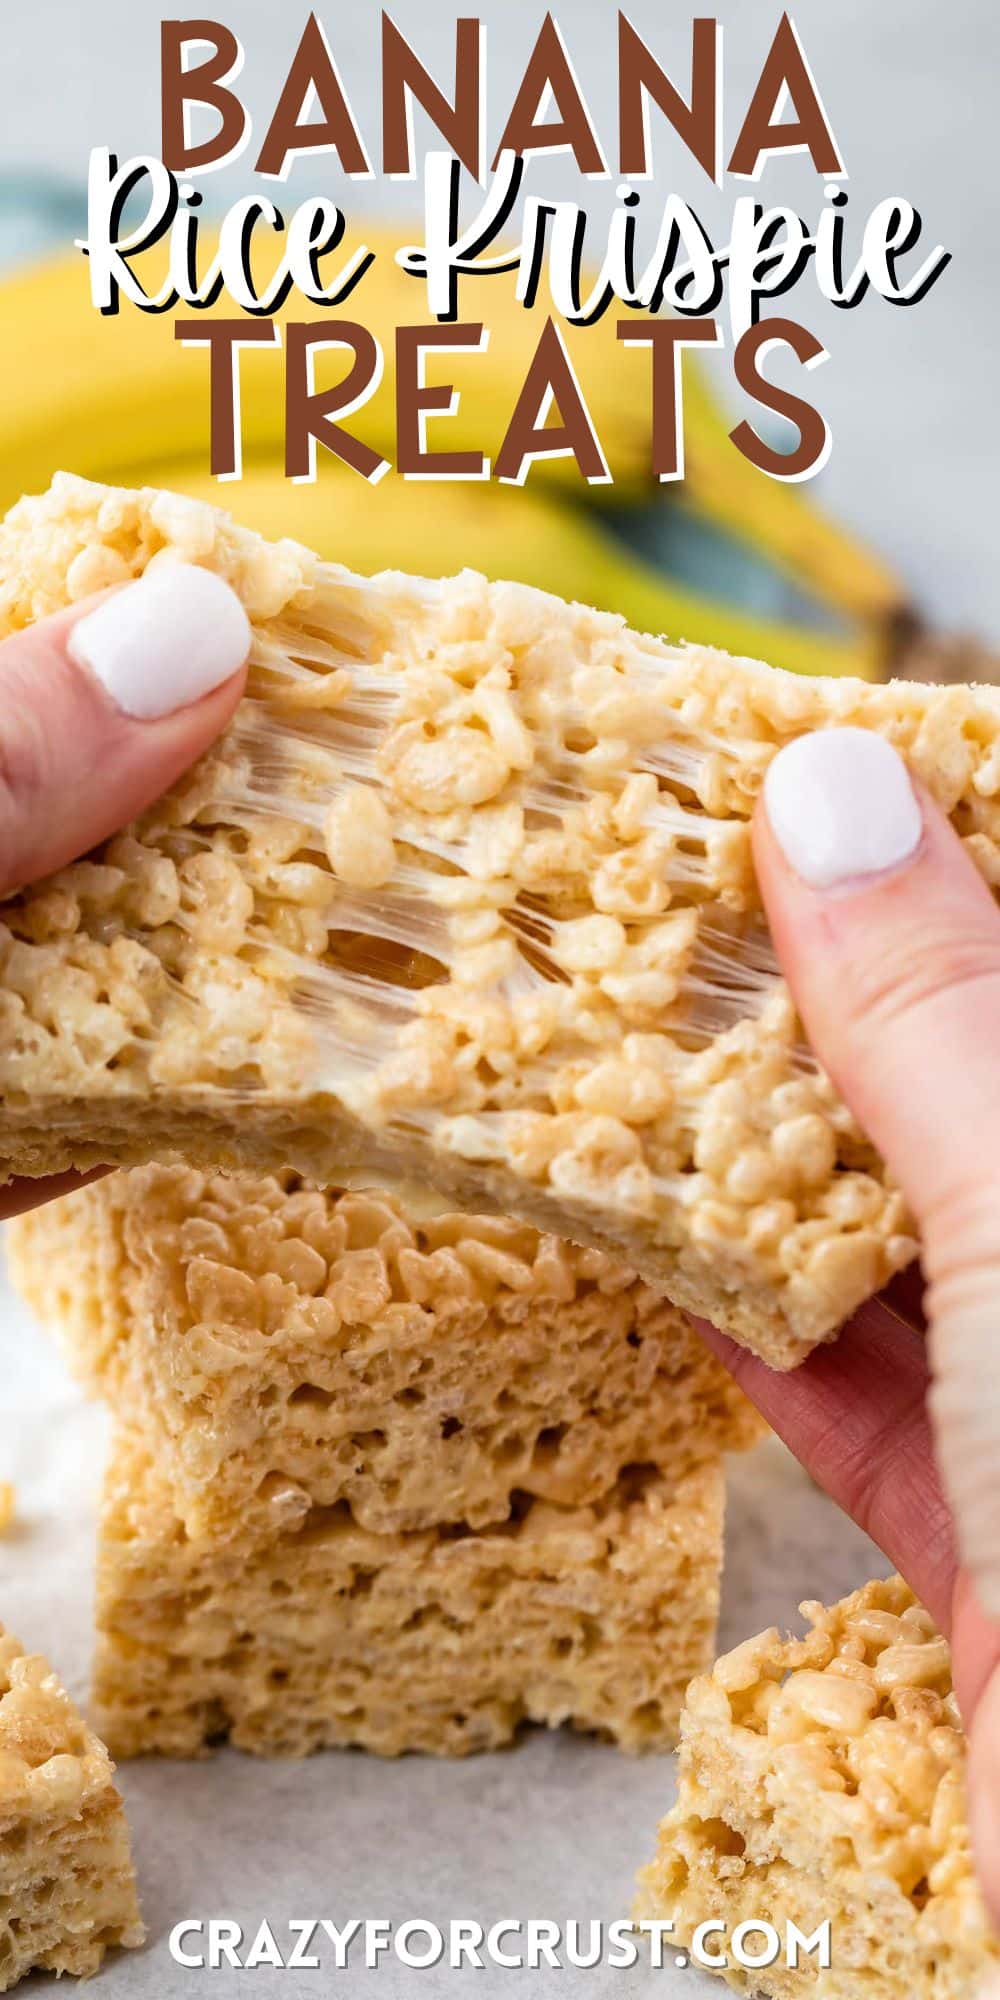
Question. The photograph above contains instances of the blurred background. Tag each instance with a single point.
(849, 572)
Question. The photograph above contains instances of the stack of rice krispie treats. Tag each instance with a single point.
(382, 1474)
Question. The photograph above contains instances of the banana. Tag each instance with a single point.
(436, 529)
(95, 392)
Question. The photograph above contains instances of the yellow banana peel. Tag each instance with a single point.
(101, 393)
(438, 528)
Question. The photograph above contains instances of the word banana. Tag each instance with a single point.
(549, 79)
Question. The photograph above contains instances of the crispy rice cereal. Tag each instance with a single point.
(823, 1778)
(67, 1887)
(420, 1370)
(466, 895)
(289, 1638)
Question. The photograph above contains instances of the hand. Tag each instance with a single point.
(890, 940)
(101, 708)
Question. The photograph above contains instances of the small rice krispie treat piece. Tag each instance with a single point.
(290, 1638)
(824, 1779)
(465, 894)
(67, 1886)
(420, 1367)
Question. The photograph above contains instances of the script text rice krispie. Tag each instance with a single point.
(823, 1779)
(465, 894)
(288, 1639)
(67, 1887)
(421, 1370)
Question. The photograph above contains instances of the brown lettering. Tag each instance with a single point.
(550, 380)
(415, 398)
(549, 67)
(640, 77)
(313, 68)
(203, 84)
(813, 446)
(785, 69)
(224, 338)
(404, 76)
(308, 411)
(668, 338)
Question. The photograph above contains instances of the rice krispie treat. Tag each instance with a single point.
(292, 1637)
(823, 1779)
(67, 1886)
(466, 895)
(421, 1370)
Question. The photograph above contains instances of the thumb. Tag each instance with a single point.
(891, 943)
(103, 706)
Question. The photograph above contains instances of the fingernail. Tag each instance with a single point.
(841, 805)
(163, 641)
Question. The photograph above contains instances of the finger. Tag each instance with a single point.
(984, 1791)
(855, 1416)
(19, 1196)
(975, 1642)
(103, 706)
(891, 942)
(976, 1646)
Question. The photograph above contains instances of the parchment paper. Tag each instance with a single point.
(553, 1829)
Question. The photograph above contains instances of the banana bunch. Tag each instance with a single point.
(436, 529)
(119, 399)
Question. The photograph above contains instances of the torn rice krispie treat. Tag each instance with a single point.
(464, 895)
(421, 1370)
(67, 1886)
(823, 1779)
(293, 1637)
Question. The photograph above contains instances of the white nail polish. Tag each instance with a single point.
(841, 805)
(164, 641)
